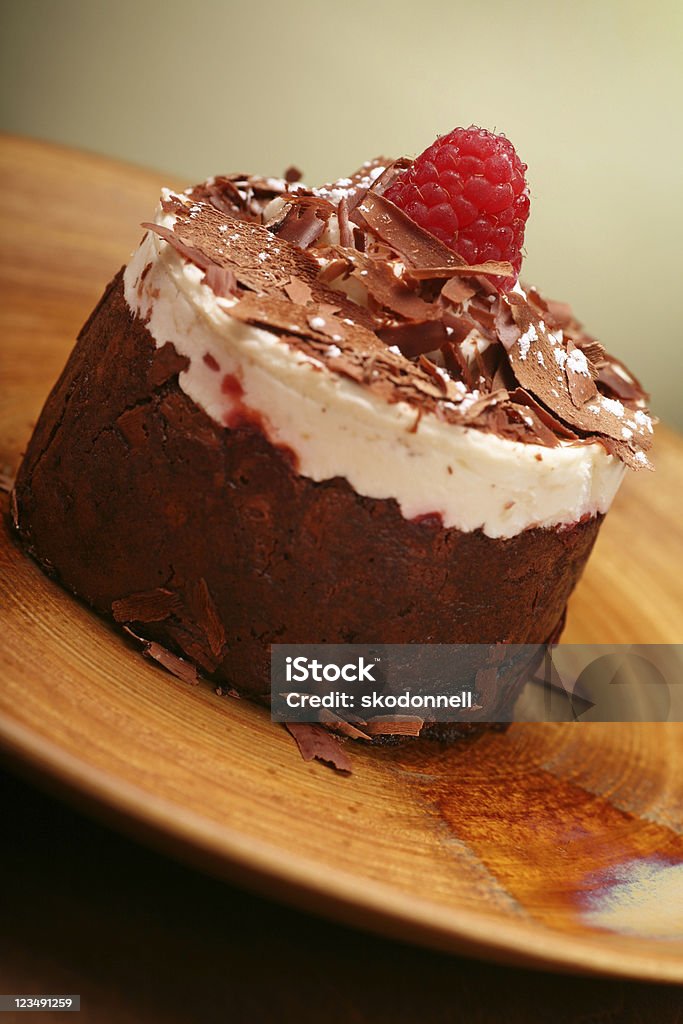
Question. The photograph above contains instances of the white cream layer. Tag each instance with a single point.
(338, 428)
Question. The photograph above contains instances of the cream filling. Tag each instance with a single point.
(337, 428)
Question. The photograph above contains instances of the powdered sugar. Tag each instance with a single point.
(612, 405)
(577, 362)
(525, 341)
(643, 420)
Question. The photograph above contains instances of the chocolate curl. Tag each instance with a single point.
(316, 743)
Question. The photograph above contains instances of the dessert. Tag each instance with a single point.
(303, 415)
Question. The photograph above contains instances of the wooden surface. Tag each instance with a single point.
(502, 848)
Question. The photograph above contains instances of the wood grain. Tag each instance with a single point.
(503, 848)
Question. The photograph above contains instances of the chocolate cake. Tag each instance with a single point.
(298, 416)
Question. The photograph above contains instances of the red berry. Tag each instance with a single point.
(468, 189)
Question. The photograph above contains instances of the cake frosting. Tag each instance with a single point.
(477, 454)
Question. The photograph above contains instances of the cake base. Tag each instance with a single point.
(207, 540)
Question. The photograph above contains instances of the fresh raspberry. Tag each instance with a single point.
(468, 189)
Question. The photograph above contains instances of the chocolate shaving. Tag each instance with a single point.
(317, 743)
(193, 643)
(397, 725)
(221, 691)
(321, 323)
(484, 319)
(280, 315)
(238, 195)
(262, 262)
(487, 364)
(341, 726)
(147, 606)
(388, 291)
(456, 363)
(259, 260)
(189, 252)
(223, 195)
(204, 615)
(521, 423)
(484, 404)
(581, 385)
(415, 338)
(632, 457)
(503, 377)
(459, 325)
(624, 452)
(544, 377)
(457, 291)
(345, 233)
(221, 280)
(592, 349)
(507, 330)
(179, 667)
(496, 267)
(302, 226)
(298, 291)
(392, 170)
(334, 269)
(264, 188)
(417, 247)
(429, 367)
(521, 397)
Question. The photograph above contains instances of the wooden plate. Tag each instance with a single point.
(550, 844)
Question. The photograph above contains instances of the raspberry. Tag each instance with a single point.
(468, 189)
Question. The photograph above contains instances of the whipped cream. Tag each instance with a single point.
(337, 428)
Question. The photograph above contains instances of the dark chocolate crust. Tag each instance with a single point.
(208, 540)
